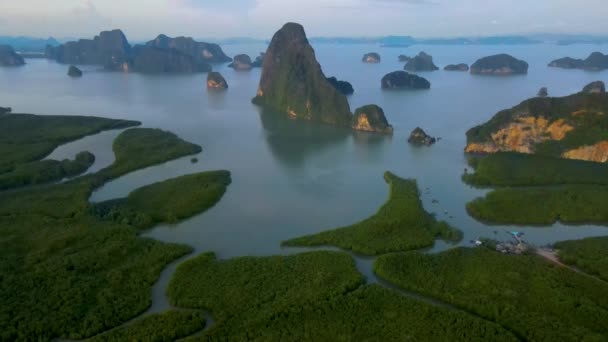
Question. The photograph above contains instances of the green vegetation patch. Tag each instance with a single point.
(590, 255)
(517, 169)
(543, 206)
(166, 326)
(25, 137)
(315, 296)
(533, 298)
(44, 171)
(74, 278)
(400, 224)
(65, 273)
(169, 201)
(137, 148)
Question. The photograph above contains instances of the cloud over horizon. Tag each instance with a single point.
(260, 18)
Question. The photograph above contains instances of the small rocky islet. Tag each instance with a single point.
(501, 64)
(343, 86)
(74, 71)
(418, 137)
(596, 61)
(241, 62)
(371, 57)
(457, 67)
(215, 80)
(8, 57)
(421, 62)
(404, 80)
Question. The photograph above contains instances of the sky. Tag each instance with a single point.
(144, 19)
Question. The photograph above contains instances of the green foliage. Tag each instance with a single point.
(312, 297)
(400, 224)
(590, 124)
(166, 326)
(74, 278)
(517, 169)
(142, 147)
(169, 201)
(568, 204)
(65, 273)
(44, 171)
(26, 138)
(531, 297)
(590, 255)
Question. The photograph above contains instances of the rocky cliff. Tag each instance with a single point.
(574, 127)
(372, 57)
(422, 62)
(8, 57)
(501, 64)
(596, 61)
(292, 81)
(200, 51)
(371, 118)
(215, 80)
(109, 49)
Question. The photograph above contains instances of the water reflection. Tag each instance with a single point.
(292, 142)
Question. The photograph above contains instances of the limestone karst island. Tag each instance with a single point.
(369, 170)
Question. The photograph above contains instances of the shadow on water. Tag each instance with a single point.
(291, 142)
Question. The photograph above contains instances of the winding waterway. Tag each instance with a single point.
(292, 178)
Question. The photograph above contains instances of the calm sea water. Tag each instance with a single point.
(292, 178)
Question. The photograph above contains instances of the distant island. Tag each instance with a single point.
(293, 83)
(112, 51)
(8, 57)
(501, 64)
(563, 127)
(595, 62)
(422, 62)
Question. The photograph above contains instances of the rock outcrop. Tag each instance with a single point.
(422, 62)
(404, 80)
(597, 87)
(200, 51)
(241, 63)
(74, 71)
(371, 118)
(371, 57)
(151, 60)
(595, 62)
(543, 92)
(419, 137)
(456, 67)
(5, 110)
(559, 127)
(109, 49)
(259, 60)
(215, 80)
(343, 86)
(292, 81)
(404, 58)
(501, 64)
(8, 57)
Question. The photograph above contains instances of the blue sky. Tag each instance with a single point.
(144, 19)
